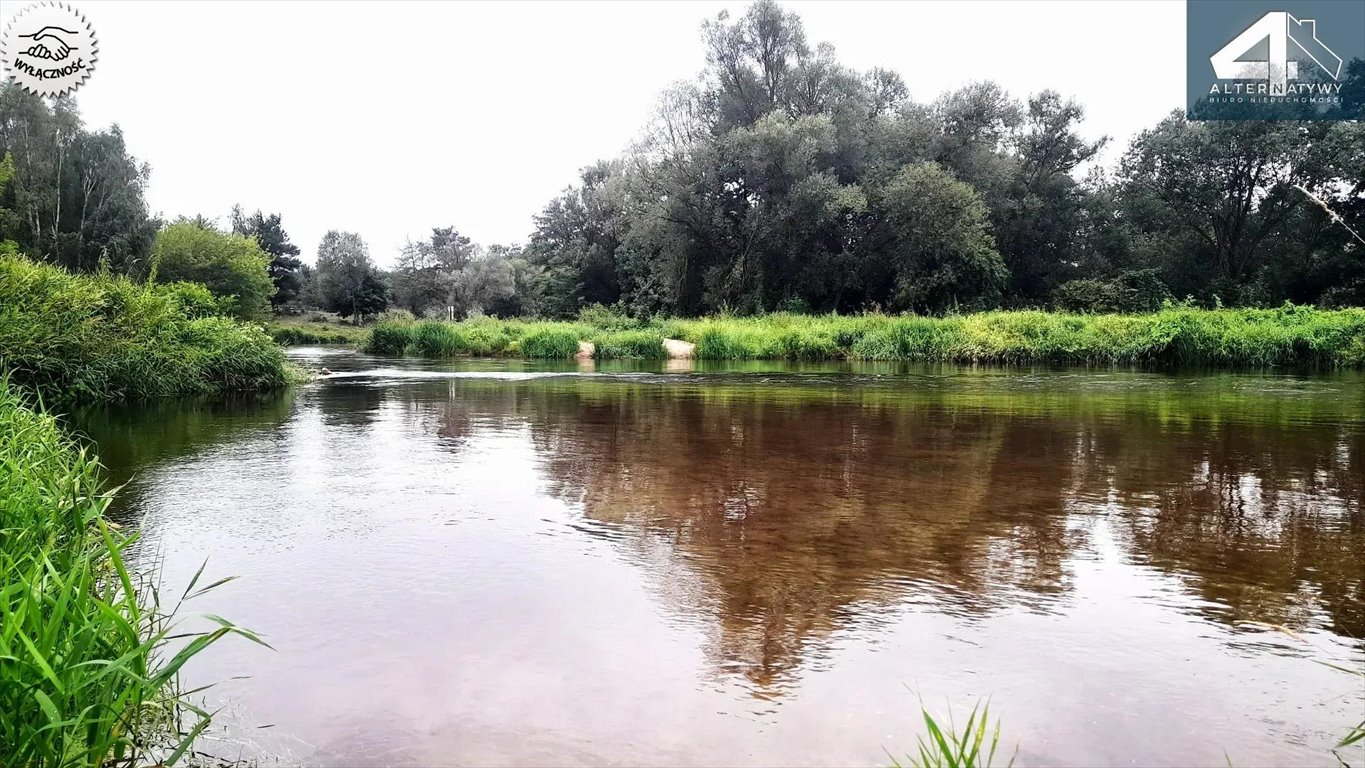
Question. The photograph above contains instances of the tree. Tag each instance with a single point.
(448, 270)
(285, 265)
(77, 195)
(348, 282)
(486, 279)
(1213, 199)
(576, 238)
(233, 267)
(423, 278)
(936, 229)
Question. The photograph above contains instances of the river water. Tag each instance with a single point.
(507, 563)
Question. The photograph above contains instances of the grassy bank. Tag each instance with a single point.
(83, 338)
(1232, 338)
(309, 330)
(85, 677)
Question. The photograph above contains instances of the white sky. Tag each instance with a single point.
(390, 118)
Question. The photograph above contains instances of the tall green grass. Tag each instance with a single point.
(1176, 336)
(80, 337)
(86, 674)
(645, 344)
(972, 747)
(481, 337)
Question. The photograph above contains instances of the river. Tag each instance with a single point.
(501, 562)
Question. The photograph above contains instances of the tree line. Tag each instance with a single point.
(781, 179)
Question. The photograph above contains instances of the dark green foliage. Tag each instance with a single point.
(76, 196)
(347, 281)
(285, 268)
(369, 298)
(1136, 291)
(77, 338)
(786, 181)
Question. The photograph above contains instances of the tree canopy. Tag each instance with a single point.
(285, 264)
(347, 281)
(784, 179)
(233, 267)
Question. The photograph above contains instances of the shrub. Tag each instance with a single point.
(196, 300)
(607, 318)
(1135, 291)
(395, 315)
(75, 337)
(233, 267)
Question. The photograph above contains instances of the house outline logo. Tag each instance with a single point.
(1278, 29)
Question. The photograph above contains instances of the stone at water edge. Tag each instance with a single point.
(586, 349)
(678, 349)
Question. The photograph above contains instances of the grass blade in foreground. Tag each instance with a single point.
(952, 748)
(82, 681)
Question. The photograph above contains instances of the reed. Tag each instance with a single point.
(88, 666)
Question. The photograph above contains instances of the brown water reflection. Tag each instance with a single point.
(794, 510)
(748, 568)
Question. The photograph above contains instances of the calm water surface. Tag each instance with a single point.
(494, 563)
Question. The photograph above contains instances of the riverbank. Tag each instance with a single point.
(85, 677)
(312, 331)
(1229, 338)
(81, 338)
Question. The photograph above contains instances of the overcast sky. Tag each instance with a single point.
(389, 118)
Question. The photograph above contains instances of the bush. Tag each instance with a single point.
(607, 318)
(196, 300)
(487, 336)
(298, 335)
(233, 267)
(1136, 291)
(1288, 336)
(395, 315)
(106, 338)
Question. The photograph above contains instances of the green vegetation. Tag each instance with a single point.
(1230, 338)
(480, 337)
(86, 676)
(972, 747)
(642, 344)
(88, 338)
(313, 329)
(232, 267)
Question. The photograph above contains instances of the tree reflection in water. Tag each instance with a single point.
(774, 515)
